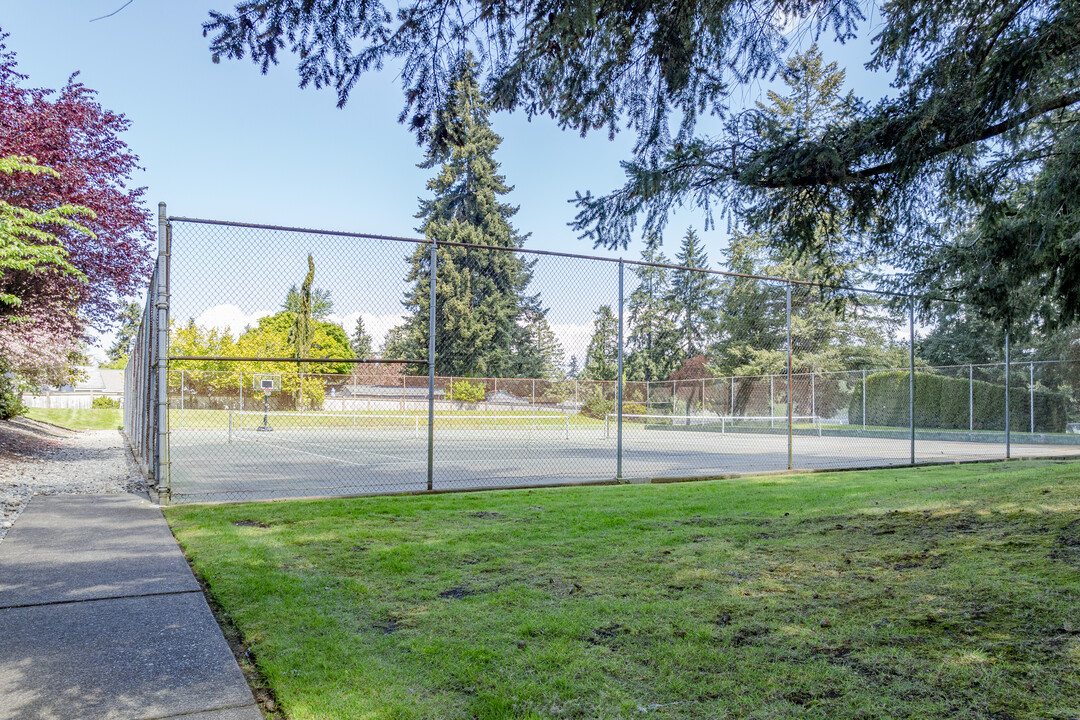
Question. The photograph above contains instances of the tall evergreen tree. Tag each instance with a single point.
(360, 340)
(547, 348)
(129, 319)
(301, 331)
(970, 134)
(694, 298)
(321, 304)
(827, 334)
(482, 310)
(653, 342)
(602, 356)
(572, 371)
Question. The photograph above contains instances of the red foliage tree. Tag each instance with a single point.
(694, 368)
(70, 132)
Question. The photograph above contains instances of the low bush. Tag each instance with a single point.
(10, 395)
(600, 407)
(464, 391)
(105, 403)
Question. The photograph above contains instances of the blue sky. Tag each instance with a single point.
(226, 142)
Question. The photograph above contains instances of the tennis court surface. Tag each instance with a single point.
(221, 456)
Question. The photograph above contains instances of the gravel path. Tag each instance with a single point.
(41, 459)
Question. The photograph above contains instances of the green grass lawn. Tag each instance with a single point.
(88, 419)
(940, 592)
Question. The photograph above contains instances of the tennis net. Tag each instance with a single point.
(414, 425)
(708, 423)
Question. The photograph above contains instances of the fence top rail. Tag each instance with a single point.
(550, 253)
(232, 358)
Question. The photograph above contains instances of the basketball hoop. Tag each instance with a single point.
(267, 383)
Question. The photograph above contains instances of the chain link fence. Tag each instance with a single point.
(284, 362)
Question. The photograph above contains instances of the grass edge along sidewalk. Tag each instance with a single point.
(79, 418)
(950, 591)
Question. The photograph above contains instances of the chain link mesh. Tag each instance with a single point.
(527, 358)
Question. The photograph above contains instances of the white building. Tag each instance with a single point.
(96, 382)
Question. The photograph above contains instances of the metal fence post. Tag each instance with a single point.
(1008, 371)
(431, 373)
(162, 305)
(911, 376)
(971, 399)
(813, 399)
(864, 400)
(181, 397)
(619, 385)
(790, 464)
(1031, 391)
(772, 408)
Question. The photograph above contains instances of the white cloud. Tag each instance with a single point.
(574, 339)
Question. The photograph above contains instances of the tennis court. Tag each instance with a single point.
(540, 412)
(221, 456)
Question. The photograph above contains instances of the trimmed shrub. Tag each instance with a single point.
(105, 403)
(466, 392)
(598, 407)
(943, 402)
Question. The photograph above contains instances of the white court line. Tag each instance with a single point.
(328, 457)
(361, 452)
(306, 442)
(336, 447)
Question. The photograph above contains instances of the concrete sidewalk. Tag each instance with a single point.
(101, 617)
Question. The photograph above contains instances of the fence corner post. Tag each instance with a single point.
(161, 452)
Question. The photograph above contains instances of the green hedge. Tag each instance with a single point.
(599, 407)
(942, 402)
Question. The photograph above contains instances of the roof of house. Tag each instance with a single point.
(98, 380)
(388, 391)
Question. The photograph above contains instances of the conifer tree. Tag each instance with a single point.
(547, 348)
(360, 340)
(321, 303)
(573, 370)
(301, 330)
(694, 298)
(602, 357)
(129, 318)
(482, 310)
(653, 344)
(826, 335)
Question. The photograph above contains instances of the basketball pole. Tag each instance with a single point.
(266, 411)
